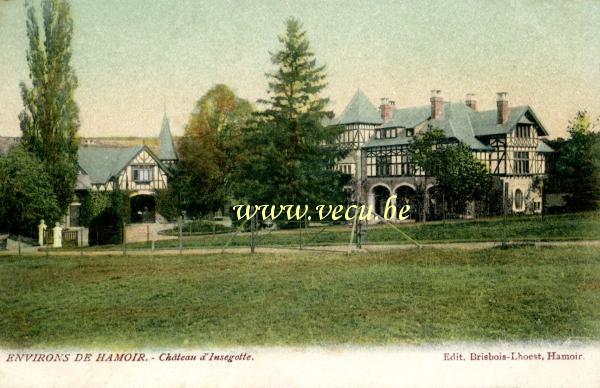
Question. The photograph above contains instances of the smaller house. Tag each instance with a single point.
(136, 170)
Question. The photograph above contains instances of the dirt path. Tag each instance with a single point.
(148, 232)
(332, 248)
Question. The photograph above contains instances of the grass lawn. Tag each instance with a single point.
(579, 226)
(412, 296)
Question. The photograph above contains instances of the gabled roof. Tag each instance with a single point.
(103, 163)
(485, 123)
(455, 122)
(167, 146)
(461, 123)
(408, 117)
(359, 110)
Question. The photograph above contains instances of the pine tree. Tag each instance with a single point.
(291, 154)
(50, 119)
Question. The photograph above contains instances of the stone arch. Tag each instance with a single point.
(379, 184)
(379, 195)
(430, 186)
(143, 206)
(406, 194)
(412, 186)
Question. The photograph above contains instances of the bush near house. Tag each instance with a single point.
(26, 195)
(104, 213)
(167, 204)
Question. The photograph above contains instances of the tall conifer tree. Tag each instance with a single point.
(291, 154)
(50, 119)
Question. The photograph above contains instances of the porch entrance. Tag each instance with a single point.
(143, 208)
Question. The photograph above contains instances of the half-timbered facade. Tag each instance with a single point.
(359, 119)
(132, 169)
(137, 171)
(507, 140)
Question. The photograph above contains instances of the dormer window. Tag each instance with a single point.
(410, 132)
(386, 133)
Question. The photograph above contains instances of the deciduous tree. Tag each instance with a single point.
(459, 177)
(210, 149)
(26, 196)
(574, 169)
(50, 119)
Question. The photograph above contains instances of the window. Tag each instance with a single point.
(518, 199)
(143, 174)
(521, 162)
(410, 132)
(386, 133)
(389, 161)
(523, 131)
(383, 166)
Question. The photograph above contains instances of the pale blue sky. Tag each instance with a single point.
(133, 56)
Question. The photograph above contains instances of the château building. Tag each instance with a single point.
(509, 141)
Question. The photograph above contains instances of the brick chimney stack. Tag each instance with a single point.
(471, 101)
(387, 108)
(503, 108)
(437, 104)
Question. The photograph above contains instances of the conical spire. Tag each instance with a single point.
(360, 110)
(167, 146)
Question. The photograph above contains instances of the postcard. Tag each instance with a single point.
(299, 193)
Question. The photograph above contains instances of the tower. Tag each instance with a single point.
(167, 153)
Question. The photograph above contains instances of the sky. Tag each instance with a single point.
(136, 59)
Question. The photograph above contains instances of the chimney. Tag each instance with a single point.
(387, 108)
(503, 108)
(437, 104)
(471, 101)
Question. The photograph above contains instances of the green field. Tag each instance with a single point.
(408, 296)
(579, 226)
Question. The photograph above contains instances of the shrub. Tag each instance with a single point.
(26, 195)
(167, 204)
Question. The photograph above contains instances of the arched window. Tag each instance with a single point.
(518, 199)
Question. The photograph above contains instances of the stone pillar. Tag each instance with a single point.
(371, 204)
(41, 231)
(57, 231)
(85, 239)
(371, 201)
